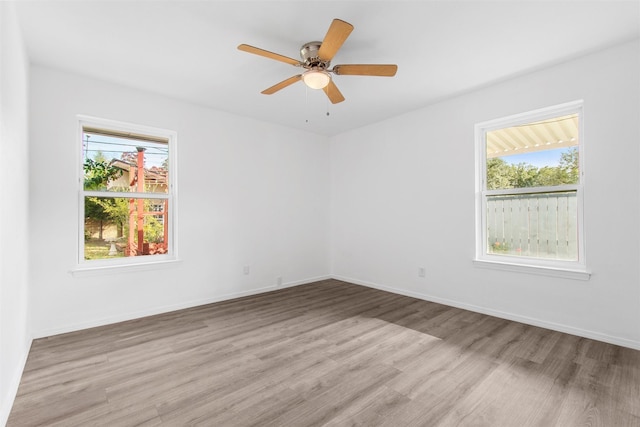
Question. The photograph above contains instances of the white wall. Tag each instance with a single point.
(250, 193)
(15, 337)
(402, 197)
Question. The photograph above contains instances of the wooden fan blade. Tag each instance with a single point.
(386, 70)
(333, 93)
(273, 89)
(336, 35)
(267, 54)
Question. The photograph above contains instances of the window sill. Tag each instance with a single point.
(101, 270)
(564, 273)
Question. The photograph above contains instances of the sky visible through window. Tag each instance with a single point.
(539, 159)
(113, 148)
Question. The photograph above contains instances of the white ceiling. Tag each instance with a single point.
(187, 49)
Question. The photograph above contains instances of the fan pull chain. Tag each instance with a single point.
(306, 103)
(326, 101)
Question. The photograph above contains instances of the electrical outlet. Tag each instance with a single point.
(246, 270)
(422, 272)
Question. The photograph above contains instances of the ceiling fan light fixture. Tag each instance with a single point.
(316, 62)
(316, 79)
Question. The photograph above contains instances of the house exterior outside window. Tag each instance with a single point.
(530, 192)
(127, 194)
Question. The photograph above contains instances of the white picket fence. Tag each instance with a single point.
(536, 225)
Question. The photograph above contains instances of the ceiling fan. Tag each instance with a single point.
(316, 60)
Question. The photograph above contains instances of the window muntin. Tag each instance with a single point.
(530, 187)
(127, 187)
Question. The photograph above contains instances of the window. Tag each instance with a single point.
(530, 190)
(127, 194)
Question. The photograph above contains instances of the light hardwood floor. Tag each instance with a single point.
(327, 353)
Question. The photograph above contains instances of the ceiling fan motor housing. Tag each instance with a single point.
(317, 74)
(310, 59)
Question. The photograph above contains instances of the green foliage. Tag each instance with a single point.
(502, 175)
(569, 164)
(499, 174)
(499, 247)
(100, 157)
(98, 249)
(97, 174)
(115, 209)
(524, 175)
(94, 210)
(153, 229)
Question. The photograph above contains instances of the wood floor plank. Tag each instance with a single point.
(325, 403)
(328, 353)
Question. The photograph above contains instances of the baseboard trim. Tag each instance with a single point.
(623, 342)
(5, 408)
(169, 308)
(478, 309)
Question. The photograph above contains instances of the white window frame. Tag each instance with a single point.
(559, 268)
(144, 262)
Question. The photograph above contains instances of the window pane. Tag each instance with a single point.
(540, 225)
(127, 164)
(121, 227)
(537, 154)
